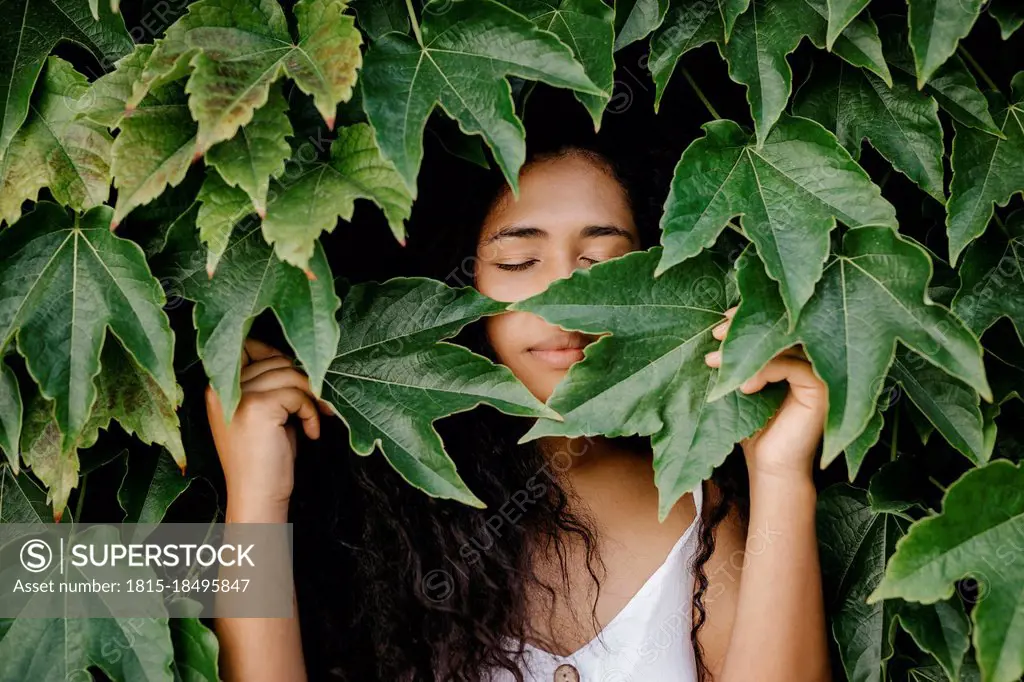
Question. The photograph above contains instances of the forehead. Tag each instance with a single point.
(564, 193)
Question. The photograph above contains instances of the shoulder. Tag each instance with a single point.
(722, 570)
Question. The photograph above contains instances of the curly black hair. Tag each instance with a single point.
(420, 588)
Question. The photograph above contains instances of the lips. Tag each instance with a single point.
(560, 351)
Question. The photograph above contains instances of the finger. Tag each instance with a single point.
(795, 352)
(782, 368)
(714, 358)
(254, 349)
(720, 330)
(280, 377)
(294, 401)
(731, 312)
(258, 367)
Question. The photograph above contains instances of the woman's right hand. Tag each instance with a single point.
(257, 449)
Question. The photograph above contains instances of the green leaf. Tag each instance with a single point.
(30, 31)
(108, 97)
(992, 279)
(64, 284)
(196, 648)
(981, 522)
(840, 14)
(687, 26)
(152, 482)
(244, 46)
(872, 293)
(10, 415)
(948, 403)
(311, 197)
(1009, 14)
(94, 8)
(461, 64)
(765, 34)
(154, 149)
(249, 280)
(393, 376)
(125, 393)
(901, 123)
(586, 26)
(936, 27)
(855, 543)
(952, 85)
(648, 377)
(788, 201)
(636, 19)
(75, 644)
(257, 152)
(54, 149)
(21, 501)
(986, 171)
(377, 17)
(221, 207)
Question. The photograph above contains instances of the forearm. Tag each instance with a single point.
(258, 649)
(779, 633)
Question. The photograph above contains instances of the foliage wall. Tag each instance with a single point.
(170, 173)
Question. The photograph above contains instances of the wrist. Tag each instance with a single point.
(780, 477)
(240, 510)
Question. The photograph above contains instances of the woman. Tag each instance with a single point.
(436, 590)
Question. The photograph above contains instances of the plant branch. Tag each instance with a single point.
(415, 23)
(977, 67)
(81, 499)
(700, 93)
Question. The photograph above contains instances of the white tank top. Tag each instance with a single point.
(649, 639)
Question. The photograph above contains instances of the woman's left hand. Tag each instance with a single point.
(787, 444)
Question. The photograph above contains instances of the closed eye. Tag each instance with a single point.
(517, 266)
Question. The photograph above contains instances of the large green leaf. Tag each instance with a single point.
(71, 157)
(936, 27)
(154, 149)
(257, 152)
(788, 200)
(855, 544)
(986, 170)
(952, 85)
(586, 26)
(871, 295)
(65, 282)
(648, 376)
(250, 279)
(61, 649)
(310, 197)
(30, 31)
(377, 17)
(221, 207)
(900, 122)
(460, 63)
(125, 393)
(238, 48)
(769, 31)
(21, 501)
(393, 376)
(151, 483)
(992, 279)
(977, 534)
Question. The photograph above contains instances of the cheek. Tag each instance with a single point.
(510, 334)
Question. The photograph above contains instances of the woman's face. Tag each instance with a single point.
(571, 213)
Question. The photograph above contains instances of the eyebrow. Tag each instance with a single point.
(531, 232)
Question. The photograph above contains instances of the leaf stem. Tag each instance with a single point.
(415, 23)
(81, 499)
(977, 67)
(895, 435)
(700, 93)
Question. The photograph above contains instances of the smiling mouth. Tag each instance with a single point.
(558, 358)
